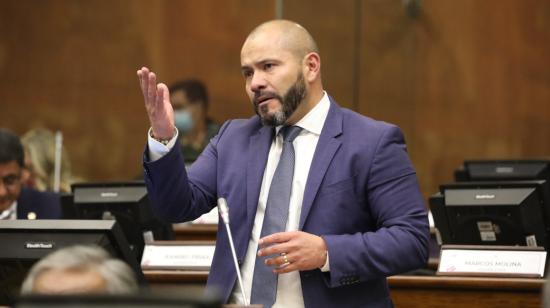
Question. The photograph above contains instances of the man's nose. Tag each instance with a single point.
(258, 82)
(3, 188)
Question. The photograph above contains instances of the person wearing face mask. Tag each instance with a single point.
(190, 102)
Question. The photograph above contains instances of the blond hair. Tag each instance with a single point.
(39, 144)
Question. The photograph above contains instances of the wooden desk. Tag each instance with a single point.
(406, 291)
(471, 292)
(195, 232)
(415, 291)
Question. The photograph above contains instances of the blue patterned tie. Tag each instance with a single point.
(264, 282)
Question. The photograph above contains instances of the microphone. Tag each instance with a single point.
(224, 213)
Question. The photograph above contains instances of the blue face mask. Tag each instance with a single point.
(183, 120)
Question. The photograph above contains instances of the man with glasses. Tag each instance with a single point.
(17, 202)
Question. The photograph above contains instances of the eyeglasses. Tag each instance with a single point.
(10, 180)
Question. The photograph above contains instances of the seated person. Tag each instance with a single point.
(189, 99)
(17, 202)
(80, 270)
(40, 151)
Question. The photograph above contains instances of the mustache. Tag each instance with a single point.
(261, 96)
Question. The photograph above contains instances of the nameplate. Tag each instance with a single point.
(196, 257)
(492, 261)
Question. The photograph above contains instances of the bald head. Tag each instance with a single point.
(287, 35)
(282, 70)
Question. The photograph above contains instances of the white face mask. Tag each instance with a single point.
(183, 120)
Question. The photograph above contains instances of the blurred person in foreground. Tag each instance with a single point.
(40, 151)
(189, 100)
(80, 270)
(16, 201)
(324, 202)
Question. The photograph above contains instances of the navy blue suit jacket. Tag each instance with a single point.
(45, 205)
(361, 195)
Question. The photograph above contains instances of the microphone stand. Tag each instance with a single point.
(224, 213)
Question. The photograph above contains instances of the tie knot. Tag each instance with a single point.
(290, 133)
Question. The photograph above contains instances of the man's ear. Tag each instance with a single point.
(312, 66)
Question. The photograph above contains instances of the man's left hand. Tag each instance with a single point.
(293, 251)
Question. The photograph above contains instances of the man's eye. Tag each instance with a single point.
(247, 74)
(268, 66)
(10, 180)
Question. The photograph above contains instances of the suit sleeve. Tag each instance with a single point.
(400, 240)
(177, 195)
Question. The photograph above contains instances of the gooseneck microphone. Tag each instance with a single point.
(224, 213)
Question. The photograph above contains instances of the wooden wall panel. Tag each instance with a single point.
(332, 27)
(203, 40)
(464, 80)
(71, 65)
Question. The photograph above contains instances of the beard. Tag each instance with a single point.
(290, 101)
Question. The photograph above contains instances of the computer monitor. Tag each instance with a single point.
(510, 213)
(503, 170)
(24, 242)
(127, 202)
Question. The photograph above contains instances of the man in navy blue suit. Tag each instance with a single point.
(354, 212)
(16, 201)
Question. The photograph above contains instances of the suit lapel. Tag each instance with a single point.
(22, 203)
(258, 152)
(326, 148)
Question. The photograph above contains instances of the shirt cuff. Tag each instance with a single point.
(156, 149)
(326, 267)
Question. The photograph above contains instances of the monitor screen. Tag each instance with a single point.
(24, 242)
(126, 202)
(508, 170)
(512, 213)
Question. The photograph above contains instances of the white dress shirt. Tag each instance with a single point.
(10, 213)
(289, 289)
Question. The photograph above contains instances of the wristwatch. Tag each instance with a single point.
(163, 141)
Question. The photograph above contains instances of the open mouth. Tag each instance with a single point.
(262, 100)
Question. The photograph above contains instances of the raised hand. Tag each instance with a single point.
(157, 104)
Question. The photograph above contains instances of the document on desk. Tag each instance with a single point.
(177, 256)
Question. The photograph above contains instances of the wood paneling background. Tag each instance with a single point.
(467, 79)
(463, 79)
(71, 65)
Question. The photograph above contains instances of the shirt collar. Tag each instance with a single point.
(314, 120)
(9, 213)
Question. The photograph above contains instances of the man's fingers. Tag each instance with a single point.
(274, 249)
(285, 265)
(281, 260)
(141, 86)
(276, 238)
(285, 269)
(159, 95)
(157, 104)
(151, 89)
(276, 243)
(163, 94)
(143, 75)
